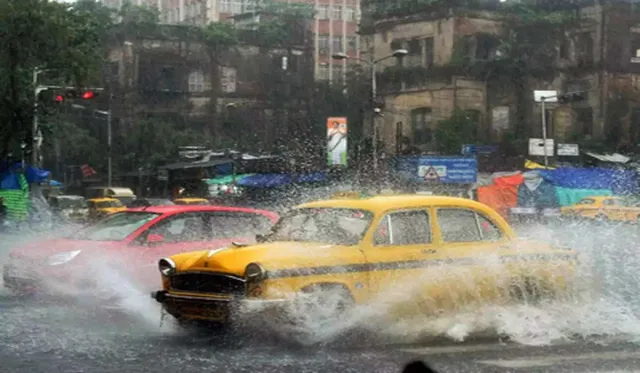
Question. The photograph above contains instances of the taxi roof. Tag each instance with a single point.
(383, 203)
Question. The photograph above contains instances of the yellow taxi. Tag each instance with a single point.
(191, 201)
(430, 254)
(605, 208)
(101, 207)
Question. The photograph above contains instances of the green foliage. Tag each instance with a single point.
(46, 35)
(219, 36)
(76, 145)
(452, 133)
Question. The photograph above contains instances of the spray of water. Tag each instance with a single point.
(602, 304)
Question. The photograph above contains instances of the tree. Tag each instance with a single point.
(45, 35)
(452, 133)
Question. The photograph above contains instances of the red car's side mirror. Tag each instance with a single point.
(155, 238)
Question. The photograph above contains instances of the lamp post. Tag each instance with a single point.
(373, 63)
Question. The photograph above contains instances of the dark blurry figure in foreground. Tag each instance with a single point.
(3, 212)
(417, 367)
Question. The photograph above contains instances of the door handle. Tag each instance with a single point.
(428, 251)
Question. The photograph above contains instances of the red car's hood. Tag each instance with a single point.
(44, 249)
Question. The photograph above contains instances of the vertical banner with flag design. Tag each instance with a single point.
(337, 141)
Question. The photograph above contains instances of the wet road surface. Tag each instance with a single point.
(38, 338)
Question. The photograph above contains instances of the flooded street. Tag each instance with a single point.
(569, 337)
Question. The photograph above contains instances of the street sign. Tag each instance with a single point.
(471, 149)
(550, 96)
(448, 170)
(536, 148)
(570, 150)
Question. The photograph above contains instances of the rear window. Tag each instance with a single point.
(238, 225)
(586, 201)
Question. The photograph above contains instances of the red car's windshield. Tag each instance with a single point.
(116, 227)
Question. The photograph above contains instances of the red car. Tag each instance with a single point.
(123, 249)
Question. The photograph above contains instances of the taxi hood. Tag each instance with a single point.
(272, 256)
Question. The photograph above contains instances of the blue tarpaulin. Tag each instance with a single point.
(9, 181)
(10, 170)
(618, 181)
(277, 180)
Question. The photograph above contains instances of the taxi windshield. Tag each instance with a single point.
(336, 226)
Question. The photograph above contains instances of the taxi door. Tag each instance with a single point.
(473, 246)
(400, 254)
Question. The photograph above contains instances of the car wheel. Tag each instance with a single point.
(318, 313)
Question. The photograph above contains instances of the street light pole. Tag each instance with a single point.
(544, 132)
(373, 63)
(374, 123)
(109, 174)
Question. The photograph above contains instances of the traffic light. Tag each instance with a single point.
(572, 97)
(60, 95)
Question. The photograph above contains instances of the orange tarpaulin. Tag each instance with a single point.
(502, 195)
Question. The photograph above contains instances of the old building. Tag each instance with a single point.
(598, 57)
(333, 28)
(246, 95)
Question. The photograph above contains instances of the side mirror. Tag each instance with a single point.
(155, 238)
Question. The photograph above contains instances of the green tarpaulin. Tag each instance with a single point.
(223, 180)
(17, 200)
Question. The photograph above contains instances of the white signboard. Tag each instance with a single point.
(536, 148)
(568, 149)
(552, 96)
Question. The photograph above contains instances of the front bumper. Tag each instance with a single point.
(214, 309)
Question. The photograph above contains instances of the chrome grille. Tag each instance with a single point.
(211, 283)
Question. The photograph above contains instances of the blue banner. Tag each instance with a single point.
(448, 170)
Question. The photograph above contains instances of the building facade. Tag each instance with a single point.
(334, 27)
(600, 57)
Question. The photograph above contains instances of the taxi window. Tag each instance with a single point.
(610, 202)
(404, 228)
(586, 201)
(461, 225)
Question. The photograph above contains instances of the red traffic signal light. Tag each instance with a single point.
(88, 95)
(59, 98)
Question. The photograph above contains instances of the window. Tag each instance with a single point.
(459, 225)
(323, 72)
(584, 119)
(404, 228)
(421, 125)
(196, 81)
(323, 44)
(488, 229)
(338, 73)
(585, 48)
(610, 202)
(224, 6)
(116, 227)
(352, 43)
(236, 6)
(586, 201)
(428, 52)
(249, 6)
(323, 12)
(336, 12)
(350, 14)
(229, 225)
(337, 44)
(183, 228)
(336, 226)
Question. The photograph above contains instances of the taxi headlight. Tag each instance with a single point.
(167, 266)
(254, 272)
